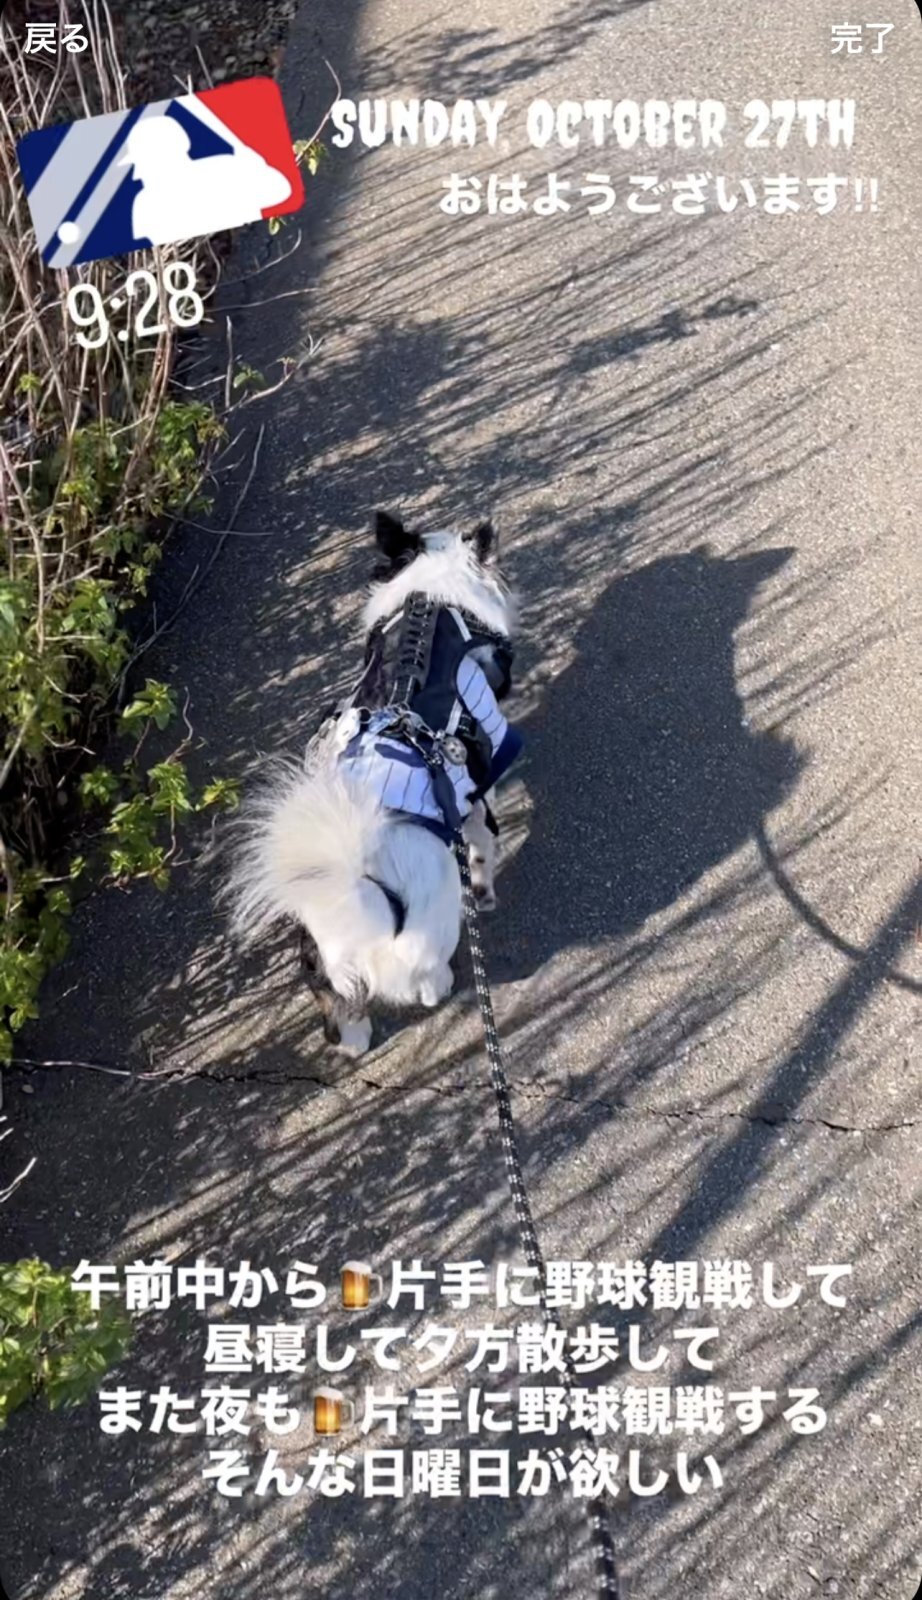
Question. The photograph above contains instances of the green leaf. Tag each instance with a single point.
(98, 785)
(309, 153)
(221, 792)
(52, 1342)
(13, 608)
(155, 703)
(248, 375)
(169, 784)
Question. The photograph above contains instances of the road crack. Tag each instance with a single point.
(773, 1117)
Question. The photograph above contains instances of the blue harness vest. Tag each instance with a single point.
(423, 728)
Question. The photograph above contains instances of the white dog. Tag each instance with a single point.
(356, 844)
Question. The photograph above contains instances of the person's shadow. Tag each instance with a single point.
(641, 769)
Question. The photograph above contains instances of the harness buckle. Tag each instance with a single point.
(453, 750)
(436, 749)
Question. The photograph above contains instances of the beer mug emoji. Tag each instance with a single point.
(357, 1279)
(329, 1406)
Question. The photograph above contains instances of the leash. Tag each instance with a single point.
(606, 1570)
(435, 749)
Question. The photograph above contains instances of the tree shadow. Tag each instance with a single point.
(458, 365)
(454, 58)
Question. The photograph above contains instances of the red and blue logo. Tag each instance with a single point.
(175, 169)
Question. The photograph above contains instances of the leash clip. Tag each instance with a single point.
(453, 750)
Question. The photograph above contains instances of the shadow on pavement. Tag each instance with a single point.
(641, 768)
(641, 417)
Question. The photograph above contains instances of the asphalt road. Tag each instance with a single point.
(696, 435)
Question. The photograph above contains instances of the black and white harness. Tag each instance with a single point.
(423, 729)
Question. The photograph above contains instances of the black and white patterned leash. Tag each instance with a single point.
(606, 1570)
(432, 748)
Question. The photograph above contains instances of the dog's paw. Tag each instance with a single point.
(355, 1038)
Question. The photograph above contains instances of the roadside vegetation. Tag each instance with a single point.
(98, 457)
(102, 452)
(52, 1343)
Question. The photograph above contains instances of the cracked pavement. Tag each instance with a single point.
(698, 437)
(524, 1090)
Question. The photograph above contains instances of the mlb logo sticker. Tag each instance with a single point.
(172, 170)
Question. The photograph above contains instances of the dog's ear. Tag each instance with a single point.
(392, 538)
(484, 540)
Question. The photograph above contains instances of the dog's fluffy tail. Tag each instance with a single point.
(303, 847)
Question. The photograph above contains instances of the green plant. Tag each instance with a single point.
(248, 377)
(52, 1342)
(308, 153)
(130, 832)
(99, 456)
(64, 601)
